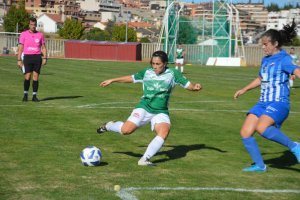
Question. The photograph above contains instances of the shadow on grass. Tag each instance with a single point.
(60, 97)
(178, 151)
(286, 161)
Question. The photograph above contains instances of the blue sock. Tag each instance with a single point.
(252, 148)
(274, 134)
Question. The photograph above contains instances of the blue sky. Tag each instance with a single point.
(281, 3)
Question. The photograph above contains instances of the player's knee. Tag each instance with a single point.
(245, 133)
(126, 130)
(260, 128)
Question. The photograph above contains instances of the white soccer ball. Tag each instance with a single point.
(91, 156)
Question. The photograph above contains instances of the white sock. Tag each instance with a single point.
(153, 147)
(115, 126)
(291, 83)
(176, 67)
(181, 69)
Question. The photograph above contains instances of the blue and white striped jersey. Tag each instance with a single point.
(274, 73)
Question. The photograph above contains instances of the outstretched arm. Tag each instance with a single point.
(194, 87)
(123, 79)
(255, 83)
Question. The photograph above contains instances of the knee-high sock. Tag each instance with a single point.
(153, 147)
(291, 82)
(181, 68)
(115, 126)
(274, 134)
(253, 149)
(26, 85)
(35, 87)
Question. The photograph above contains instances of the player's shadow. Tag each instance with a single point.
(177, 151)
(59, 97)
(286, 161)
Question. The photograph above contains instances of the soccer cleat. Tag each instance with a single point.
(255, 168)
(25, 98)
(35, 99)
(296, 151)
(103, 128)
(145, 162)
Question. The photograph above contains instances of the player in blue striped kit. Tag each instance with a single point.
(273, 107)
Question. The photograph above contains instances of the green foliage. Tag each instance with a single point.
(16, 17)
(273, 7)
(296, 41)
(97, 34)
(187, 33)
(72, 29)
(145, 40)
(119, 34)
(288, 6)
(110, 27)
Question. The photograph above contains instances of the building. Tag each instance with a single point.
(49, 23)
(276, 20)
(89, 5)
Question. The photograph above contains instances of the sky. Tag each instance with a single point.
(281, 3)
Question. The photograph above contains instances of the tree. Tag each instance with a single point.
(97, 34)
(273, 7)
(187, 33)
(109, 28)
(296, 41)
(145, 40)
(119, 34)
(72, 29)
(16, 19)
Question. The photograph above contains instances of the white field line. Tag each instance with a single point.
(98, 106)
(126, 193)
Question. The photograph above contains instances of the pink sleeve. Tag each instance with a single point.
(43, 39)
(22, 38)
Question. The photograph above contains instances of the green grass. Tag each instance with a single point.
(41, 142)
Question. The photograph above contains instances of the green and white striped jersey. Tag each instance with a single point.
(179, 53)
(157, 88)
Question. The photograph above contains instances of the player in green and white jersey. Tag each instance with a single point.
(180, 53)
(295, 60)
(158, 82)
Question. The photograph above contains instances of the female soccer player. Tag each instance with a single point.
(295, 61)
(180, 54)
(158, 83)
(273, 107)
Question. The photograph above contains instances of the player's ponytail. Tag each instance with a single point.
(283, 36)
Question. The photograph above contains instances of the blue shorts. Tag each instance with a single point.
(278, 111)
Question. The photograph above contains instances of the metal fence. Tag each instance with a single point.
(55, 47)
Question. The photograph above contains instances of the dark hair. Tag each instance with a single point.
(283, 36)
(161, 54)
(32, 19)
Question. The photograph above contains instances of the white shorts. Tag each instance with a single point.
(179, 61)
(140, 117)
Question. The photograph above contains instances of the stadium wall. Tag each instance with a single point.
(56, 48)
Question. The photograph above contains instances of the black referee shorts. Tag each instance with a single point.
(32, 63)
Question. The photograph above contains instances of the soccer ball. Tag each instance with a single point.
(91, 156)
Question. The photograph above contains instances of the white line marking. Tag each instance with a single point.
(126, 193)
(91, 106)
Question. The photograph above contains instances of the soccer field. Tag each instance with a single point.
(202, 158)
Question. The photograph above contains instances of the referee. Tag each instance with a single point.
(32, 45)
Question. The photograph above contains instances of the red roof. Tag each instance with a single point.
(55, 17)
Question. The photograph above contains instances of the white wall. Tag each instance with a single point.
(89, 5)
(46, 24)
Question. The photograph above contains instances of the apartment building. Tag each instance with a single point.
(276, 20)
